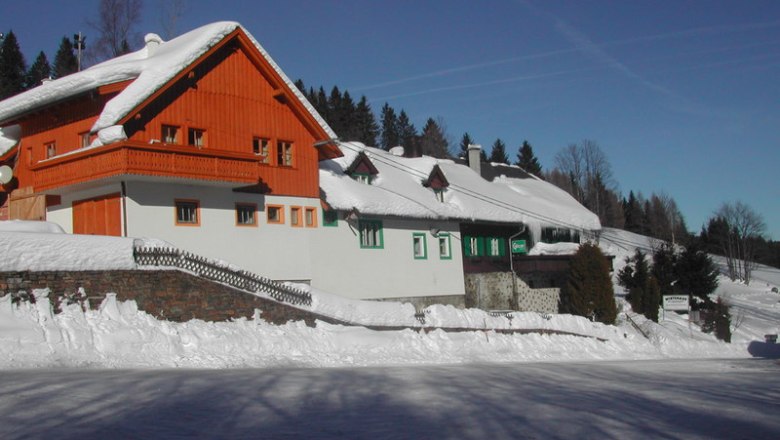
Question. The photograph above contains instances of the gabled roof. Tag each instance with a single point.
(150, 70)
(362, 165)
(437, 179)
(399, 191)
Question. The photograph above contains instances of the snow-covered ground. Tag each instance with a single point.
(117, 334)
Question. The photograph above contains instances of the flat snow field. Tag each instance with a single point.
(670, 399)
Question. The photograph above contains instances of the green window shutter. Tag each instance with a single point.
(480, 246)
(501, 247)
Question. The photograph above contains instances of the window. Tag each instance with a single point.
(439, 193)
(310, 217)
(260, 148)
(51, 149)
(362, 178)
(330, 218)
(275, 213)
(370, 234)
(474, 246)
(419, 246)
(196, 137)
(295, 216)
(284, 153)
(445, 246)
(85, 139)
(496, 247)
(245, 214)
(187, 212)
(170, 134)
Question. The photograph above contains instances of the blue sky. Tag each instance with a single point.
(682, 96)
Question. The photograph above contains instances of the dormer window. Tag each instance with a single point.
(439, 193)
(362, 170)
(362, 178)
(437, 182)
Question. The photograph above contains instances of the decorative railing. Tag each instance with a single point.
(211, 270)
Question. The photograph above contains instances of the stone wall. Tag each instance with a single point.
(544, 300)
(493, 291)
(166, 294)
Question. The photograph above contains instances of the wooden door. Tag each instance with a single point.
(98, 216)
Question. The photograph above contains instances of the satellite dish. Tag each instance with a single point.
(6, 174)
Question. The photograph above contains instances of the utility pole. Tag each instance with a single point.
(80, 42)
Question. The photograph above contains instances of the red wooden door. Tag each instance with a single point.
(98, 216)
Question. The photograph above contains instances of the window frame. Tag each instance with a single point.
(164, 138)
(421, 237)
(439, 194)
(250, 206)
(261, 147)
(279, 209)
(50, 149)
(376, 229)
(284, 153)
(296, 216)
(364, 178)
(469, 244)
(85, 139)
(310, 217)
(192, 138)
(177, 203)
(328, 222)
(500, 247)
(445, 237)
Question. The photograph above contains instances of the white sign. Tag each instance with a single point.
(675, 302)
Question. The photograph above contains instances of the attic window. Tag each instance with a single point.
(260, 147)
(439, 193)
(170, 134)
(362, 178)
(51, 149)
(85, 139)
(196, 137)
(284, 153)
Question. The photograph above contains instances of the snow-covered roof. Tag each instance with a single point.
(9, 137)
(150, 69)
(398, 191)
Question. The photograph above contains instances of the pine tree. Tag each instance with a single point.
(65, 61)
(39, 71)
(696, 274)
(390, 135)
(367, 128)
(588, 289)
(432, 141)
(407, 135)
(498, 153)
(528, 161)
(664, 262)
(634, 277)
(13, 69)
(465, 141)
(634, 215)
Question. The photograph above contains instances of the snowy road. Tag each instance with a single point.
(651, 399)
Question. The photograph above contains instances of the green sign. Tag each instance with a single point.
(519, 247)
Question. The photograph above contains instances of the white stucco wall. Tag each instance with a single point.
(342, 266)
(277, 251)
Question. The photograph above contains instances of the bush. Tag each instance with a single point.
(717, 318)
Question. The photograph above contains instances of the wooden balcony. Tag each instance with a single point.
(167, 161)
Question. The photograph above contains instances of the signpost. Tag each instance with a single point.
(675, 303)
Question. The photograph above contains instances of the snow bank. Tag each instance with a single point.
(117, 335)
(30, 226)
(46, 251)
(554, 249)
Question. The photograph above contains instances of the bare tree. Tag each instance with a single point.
(115, 23)
(171, 11)
(744, 227)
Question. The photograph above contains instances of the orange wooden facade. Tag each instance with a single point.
(98, 216)
(231, 95)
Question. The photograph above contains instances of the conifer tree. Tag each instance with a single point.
(634, 277)
(13, 68)
(367, 128)
(634, 215)
(390, 136)
(696, 274)
(664, 262)
(65, 61)
(528, 161)
(588, 289)
(39, 71)
(465, 141)
(498, 153)
(407, 134)
(432, 141)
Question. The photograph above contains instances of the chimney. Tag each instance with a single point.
(152, 42)
(474, 158)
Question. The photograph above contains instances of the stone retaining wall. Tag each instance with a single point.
(166, 294)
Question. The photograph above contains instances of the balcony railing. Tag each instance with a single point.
(150, 160)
